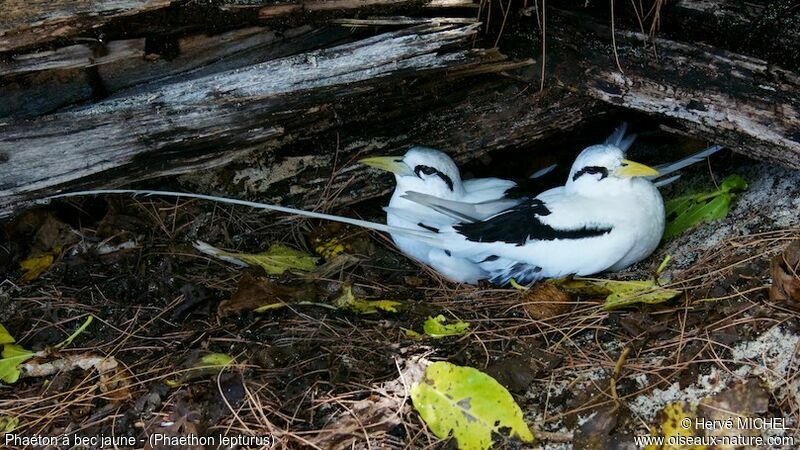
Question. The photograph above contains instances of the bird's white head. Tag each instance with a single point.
(602, 170)
(422, 169)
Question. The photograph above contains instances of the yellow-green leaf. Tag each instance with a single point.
(626, 293)
(13, 356)
(210, 364)
(279, 305)
(331, 249)
(412, 334)
(276, 260)
(215, 359)
(34, 266)
(744, 400)
(436, 328)
(8, 424)
(620, 294)
(349, 302)
(673, 420)
(5, 336)
(467, 404)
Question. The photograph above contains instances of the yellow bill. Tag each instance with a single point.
(632, 169)
(393, 164)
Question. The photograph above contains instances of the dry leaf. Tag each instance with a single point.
(546, 300)
(785, 269)
(253, 293)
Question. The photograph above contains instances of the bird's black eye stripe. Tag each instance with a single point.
(427, 170)
(592, 170)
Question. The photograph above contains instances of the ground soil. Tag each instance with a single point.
(301, 371)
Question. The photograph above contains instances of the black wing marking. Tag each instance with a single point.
(521, 224)
(428, 227)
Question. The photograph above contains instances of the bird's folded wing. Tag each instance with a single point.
(461, 211)
(430, 221)
(666, 169)
(528, 222)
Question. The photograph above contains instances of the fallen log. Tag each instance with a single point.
(182, 126)
(723, 97)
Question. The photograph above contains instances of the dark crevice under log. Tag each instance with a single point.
(473, 119)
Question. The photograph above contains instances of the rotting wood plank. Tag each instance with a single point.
(26, 23)
(727, 98)
(196, 122)
(43, 82)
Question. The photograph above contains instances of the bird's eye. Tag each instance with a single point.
(425, 169)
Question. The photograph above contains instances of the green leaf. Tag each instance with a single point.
(689, 210)
(620, 294)
(714, 209)
(349, 302)
(13, 356)
(673, 206)
(436, 328)
(734, 183)
(468, 404)
(5, 336)
(276, 260)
